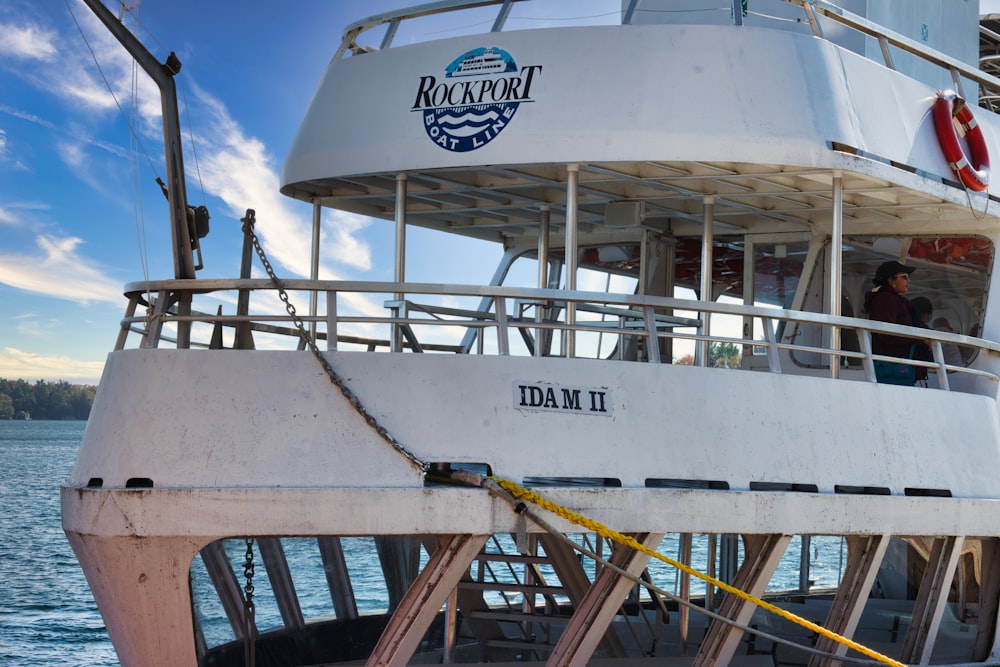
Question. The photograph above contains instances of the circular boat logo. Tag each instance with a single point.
(479, 94)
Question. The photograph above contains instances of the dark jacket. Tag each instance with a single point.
(885, 305)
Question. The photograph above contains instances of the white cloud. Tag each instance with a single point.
(28, 42)
(18, 364)
(13, 214)
(59, 272)
(346, 246)
(72, 154)
(238, 169)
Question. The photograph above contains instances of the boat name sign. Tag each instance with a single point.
(479, 95)
(550, 397)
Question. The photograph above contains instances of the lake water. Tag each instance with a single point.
(48, 615)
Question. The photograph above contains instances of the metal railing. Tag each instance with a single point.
(813, 10)
(531, 321)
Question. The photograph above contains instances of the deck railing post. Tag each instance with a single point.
(400, 271)
(572, 181)
(836, 266)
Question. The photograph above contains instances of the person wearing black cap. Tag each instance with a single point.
(886, 303)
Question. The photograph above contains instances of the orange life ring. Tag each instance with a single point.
(949, 107)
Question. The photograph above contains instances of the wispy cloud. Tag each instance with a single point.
(19, 214)
(239, 169)
(27, 41)
(18, 364)
(235, 166)
(59, 271)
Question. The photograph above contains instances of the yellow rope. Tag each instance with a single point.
(521, 493)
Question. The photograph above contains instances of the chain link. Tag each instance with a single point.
(334, 377)
(250, 633)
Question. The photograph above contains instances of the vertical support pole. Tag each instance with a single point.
(243, 337)
(711, 570)
(707, 239)
(683, 611)
(400, 272)
(644, 262)
(572, 183)
(749, 291)
(836, 267)
(804, 564)
(544, 216)
(331, 321)
(314, 269)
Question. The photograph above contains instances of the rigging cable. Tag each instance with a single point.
(135, 145)
(107, 84)
(138, 204)
(194, 144)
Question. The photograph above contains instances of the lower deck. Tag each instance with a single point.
(534, 588)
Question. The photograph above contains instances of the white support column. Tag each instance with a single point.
(400, 270)
(314, 268)
(707, 239)
(836, 266)
(572, 182)
(544, 216)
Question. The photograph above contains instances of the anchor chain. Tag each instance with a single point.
(250, 633)
(248, 223)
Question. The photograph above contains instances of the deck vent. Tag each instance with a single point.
(705, 484)
(862, 490)
(573, 481)
(139, 483)
(927, 493)
(438, 471)
(843, 148)
(784, 486)
(95, 482)
(903, 166)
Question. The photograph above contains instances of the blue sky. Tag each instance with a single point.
(79, 213)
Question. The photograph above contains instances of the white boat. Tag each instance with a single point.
(670, 371)
(479, 61)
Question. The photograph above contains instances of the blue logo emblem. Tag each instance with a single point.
(479, 94)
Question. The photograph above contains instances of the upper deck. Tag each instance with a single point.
(759, 118)
(764, 202)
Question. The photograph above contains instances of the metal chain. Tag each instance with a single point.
(250, 633)
(355, 402)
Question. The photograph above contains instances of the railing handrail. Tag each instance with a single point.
(643, 313)
(811, 8)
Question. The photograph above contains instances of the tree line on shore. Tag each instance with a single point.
(45, 400)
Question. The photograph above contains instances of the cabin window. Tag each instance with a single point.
(951, 273)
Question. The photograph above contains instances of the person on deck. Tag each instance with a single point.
(886, 303)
